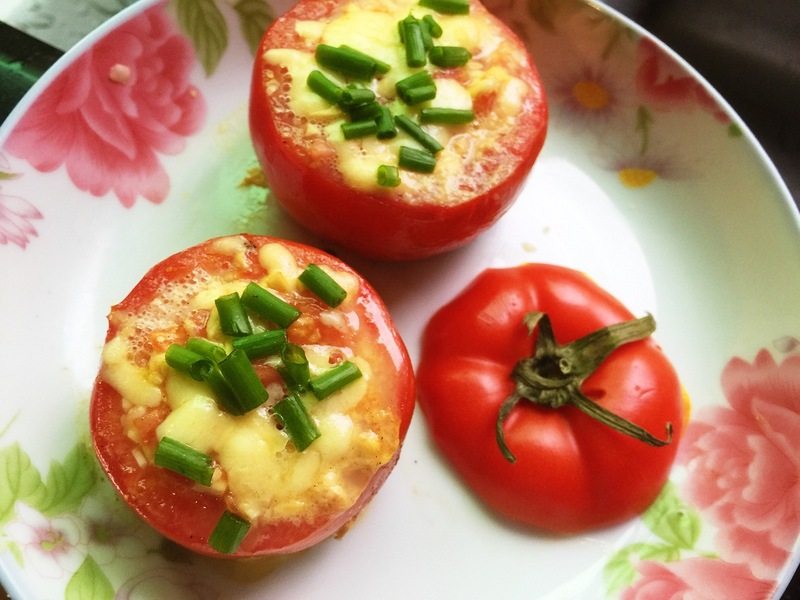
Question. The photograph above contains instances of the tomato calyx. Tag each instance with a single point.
(553, 376)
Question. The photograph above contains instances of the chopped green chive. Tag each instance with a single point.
(259, 345)
(359, 129)
(323, 285)
(447, 7)
(353, 96)
(388, 176)
(380, 66)
(232, 316)
(237, 370)
(186, 361)
(223, 394)
(365, 112)
(446, 116)
(386, 127)
(418, 79)
(427, 40)
(206, 348)
(414, 42)
(415, 131)
(334, 379)
(322, 86)
(414, 159)
(295, 366)
(296, 421)
(434, 29)
(268, 305)
(419, 94)
(181, 458)
(347, 62)
(228, 533)
(449, 56)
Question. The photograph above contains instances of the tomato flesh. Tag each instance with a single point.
(433, 213)
(124, 438)
(572, 473)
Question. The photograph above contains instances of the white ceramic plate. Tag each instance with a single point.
(647, 182)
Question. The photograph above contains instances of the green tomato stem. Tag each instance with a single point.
(553, 376)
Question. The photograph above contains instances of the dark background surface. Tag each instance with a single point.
(749, 51)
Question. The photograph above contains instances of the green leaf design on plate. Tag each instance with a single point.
(89, 583)
(19, 479)
(672, 520)
(204, 24)
(620, 570)
(67, 483)
(254, 17)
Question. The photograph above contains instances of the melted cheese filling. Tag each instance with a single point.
(261, 474)
(371, 27)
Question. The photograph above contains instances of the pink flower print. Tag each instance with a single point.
(109, 130)
(52, 547)
(665, 85)
(16, 215)
(744, 463)
(696, 579)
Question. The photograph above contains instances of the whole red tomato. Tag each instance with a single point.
(567, 421)
(167, 307)
(478, 173)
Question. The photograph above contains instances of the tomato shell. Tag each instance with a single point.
(381, 224)
(572, 473)
(172, 504)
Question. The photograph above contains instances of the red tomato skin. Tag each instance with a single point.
(379, 224)
(572, 473)
(173, 505)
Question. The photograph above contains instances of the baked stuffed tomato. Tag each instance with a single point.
(253, 396)
(396, 128)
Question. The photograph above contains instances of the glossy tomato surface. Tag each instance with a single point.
(572, 473)
(175, 506)
(411, 221)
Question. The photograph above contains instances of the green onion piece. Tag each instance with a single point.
(427, 40)
(223, 394)
(446, 116)
(232, 318)
(181, 458)
(322, 86)
(418, 79)
(449, 56)
(420, 135)
(353, 96)
(388, 176)
(268, 305)
(347, 62)
(296, 421)
(414, 159)
(262, 344)
(414, 42)
(186, 361)
(420, 94)
(323, 285)
(334, 379)
(380, 66)
(206, 348)
(365, 112)
(358, 129)
(386, 127)
(243, 380)
(295, 366)
(434, 29)
(447, 7)
(228, 533)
